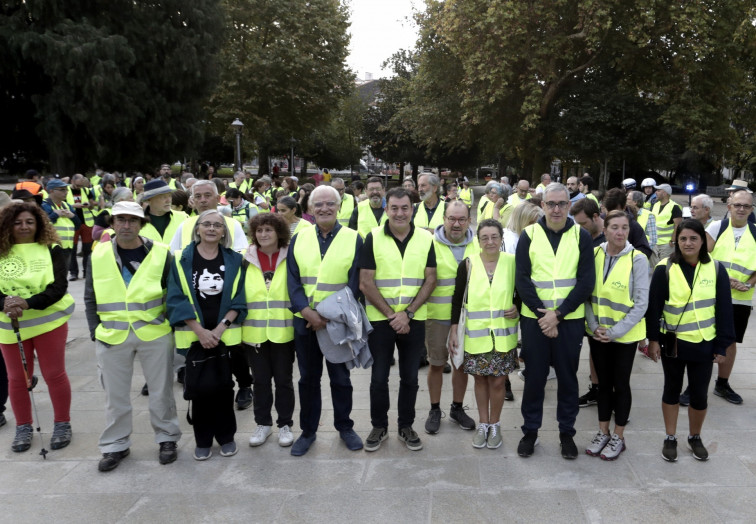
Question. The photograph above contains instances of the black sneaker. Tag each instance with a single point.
(459, 416)
(110, 461)
(3, 420)
(567, 444)
(243, 398)
(433, 422)
(410, 438)
(685, 397)
(669, 451)
(728, 394)
(590, 398)
(508, 395)
(145, 391)
(697, 447)
(167, 453)
(377, 435)
(527, 444)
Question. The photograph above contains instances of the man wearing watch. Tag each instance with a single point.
(554, 277)
(397, 275)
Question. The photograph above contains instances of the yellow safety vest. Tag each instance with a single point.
(302, 224)
(346, 209)
(26, 271)
(739, 261)
(188, 229)
(321, 278)
(642, 219)
(241, 215)
(95, 180)
(541, 187)
(664, 231)
(254, 198)
(398, 278)
(593, 197)
(244, 187)
(421, 216)
(184, 334)
(695, 316)
(439, 303)
(149, 231)
(465, 195)
(553, 274)
(268, 316)
(611, 300)
(366, 219)
(515, 199)
(140, 306)
(65, 227)
(486, 328)
(481, 203)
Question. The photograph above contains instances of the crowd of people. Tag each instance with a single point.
(228, 285)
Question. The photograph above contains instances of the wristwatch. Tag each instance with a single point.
(226, 322)
(410, 314)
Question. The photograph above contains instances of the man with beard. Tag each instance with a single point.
(369, 213)
(429, 213)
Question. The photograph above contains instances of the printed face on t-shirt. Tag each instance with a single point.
(209, 283)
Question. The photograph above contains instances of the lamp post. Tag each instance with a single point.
(291, 160)
(237, 125)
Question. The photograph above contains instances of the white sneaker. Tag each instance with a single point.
(285, 436)
(552, 374)
(260, 435)
(600, 440)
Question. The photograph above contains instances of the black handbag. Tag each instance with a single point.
(208, 371)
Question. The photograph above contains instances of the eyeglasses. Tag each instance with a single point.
(457, 220)
(318, 205)
(562, 205)
(212, 225)
(745, 207)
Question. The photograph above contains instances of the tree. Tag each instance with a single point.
(117, 83)
(283, 69)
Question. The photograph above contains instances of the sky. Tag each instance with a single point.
(379, 29)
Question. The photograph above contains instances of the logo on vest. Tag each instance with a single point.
(706, 282)
(619, 286)
(12, 267)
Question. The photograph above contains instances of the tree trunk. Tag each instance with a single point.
(303, 171)
(264, 161)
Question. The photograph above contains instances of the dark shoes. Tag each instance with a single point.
(302, 445)
(180, 375)
(527, 444)
(567, 444)
(243, 398)
(110, 461)
(669, 451)
(410, 438)
(458, 415)
(23, 438)
(685, 397)
(433, 422)
(697, 447)
(145, 391)
(167, 452)
(508, 395)
(376, 436)
(590, 398)
(447, 369)
(351, 439)
(728, 394)
(61, 436)
(3, 420)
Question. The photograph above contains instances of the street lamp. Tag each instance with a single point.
(237, 125)
(291, 163)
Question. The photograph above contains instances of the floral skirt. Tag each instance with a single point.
(492, 364)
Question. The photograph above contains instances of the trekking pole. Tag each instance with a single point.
(29, 384)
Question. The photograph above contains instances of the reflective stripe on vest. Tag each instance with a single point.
(421, 216)
(697, 319)
(320, 278)
(739, 261)
(486, 327)
(149, 231)
(26, 271)
(399, 278)
(268, 315)
(554, 274)
(88, 215)
(188, 229)
(184, 334)
(65, 227)
(439, 303)
(140, 306)
(366, 219)
(346, 209)
(664, 231)
(611, 300)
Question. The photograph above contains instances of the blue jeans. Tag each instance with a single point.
(310, 361)
(382, 341)
(563, 353)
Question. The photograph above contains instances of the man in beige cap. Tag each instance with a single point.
(668, 217)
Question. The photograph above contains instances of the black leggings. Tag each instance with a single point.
(699, 377)
(614, 363)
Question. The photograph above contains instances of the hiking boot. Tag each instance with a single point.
(567, 444)
(410, 438)
(61, 436)
(685, 397)
(376, 436)
(494, 436)
(696, 446)
(527, 444)
(433, 422)
(458, 415)
(508, 395)
(23, 438)
(167, 453)
(727, 393)
(669, 451)
(260, 435)
(110, 461)
(614, 448)
(481, 436)
(597, 444)
(590, 398)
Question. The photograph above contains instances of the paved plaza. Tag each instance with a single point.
(447, 481)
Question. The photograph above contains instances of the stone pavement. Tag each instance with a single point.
(447, 481)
